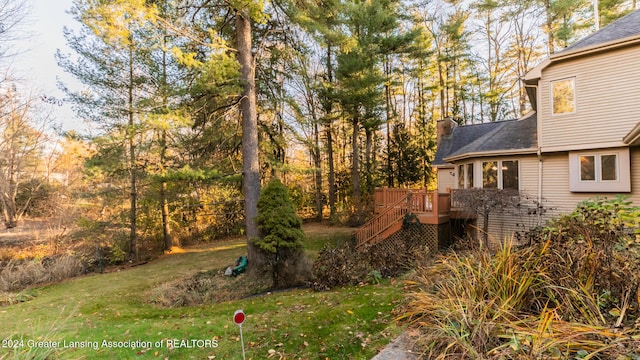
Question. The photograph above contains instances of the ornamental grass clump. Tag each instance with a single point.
(21, 274)
(506, 305)
(573, 294)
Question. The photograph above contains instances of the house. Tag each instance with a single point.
(581, 140)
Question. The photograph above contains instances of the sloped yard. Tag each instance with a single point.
(109, 316)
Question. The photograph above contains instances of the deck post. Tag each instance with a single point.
(434, 206)
(385, 194)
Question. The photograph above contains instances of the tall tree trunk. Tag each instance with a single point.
(387, 95)
(329, 134)
(551, 39)
(12, 207)
(164, 203)
(355, 161)
(317, 162)
(8, 212)
(443, 105)
(250, 162)
(166, 228)
(332, 171)
(422, 106)
(133, 248)
(368, 159)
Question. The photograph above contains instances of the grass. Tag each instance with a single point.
(318, 237)
(346, 323)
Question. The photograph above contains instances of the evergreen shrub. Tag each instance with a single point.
(281, 236)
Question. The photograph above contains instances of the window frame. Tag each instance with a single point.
(497, 173)
(462, 172)
(551, 97)
(500, 173)
(622, 183)
(502, 169)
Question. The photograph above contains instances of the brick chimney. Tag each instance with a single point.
(444, 128)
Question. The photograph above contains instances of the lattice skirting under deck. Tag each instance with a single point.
(418, 237)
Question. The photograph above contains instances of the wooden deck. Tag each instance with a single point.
(392, 205)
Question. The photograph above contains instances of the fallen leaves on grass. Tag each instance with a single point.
(208, 287)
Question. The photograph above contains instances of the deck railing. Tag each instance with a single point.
(455, 199)
(392, 204)
(421, 199)
(385, 197)
(381, 222)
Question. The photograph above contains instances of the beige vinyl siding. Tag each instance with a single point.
(446, 180)
(607, 99)
(555, 184)
(555, 187)
(503, 224)
(528, 167)
(556, 196)
(510, 226)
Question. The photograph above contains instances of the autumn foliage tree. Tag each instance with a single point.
(22, 141)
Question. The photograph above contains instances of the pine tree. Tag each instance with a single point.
(611, 10)
(245, 14)
(561, 23)
(322, 20)
(406, 153)
(372, 32)
(111, 49)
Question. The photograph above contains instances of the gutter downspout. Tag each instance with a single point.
(540, 168)
(534, 103)
(539, 175)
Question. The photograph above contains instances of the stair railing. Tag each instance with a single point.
(384, 220)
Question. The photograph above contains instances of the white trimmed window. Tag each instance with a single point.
(501, 174)
(465, 176)
(600, 171)
(563, 96)
(489, 174)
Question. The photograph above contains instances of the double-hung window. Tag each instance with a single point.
(501, 174)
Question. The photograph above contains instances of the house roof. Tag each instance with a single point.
(621, 32)
(488, 139)
(520, 136)
(623, 28)
(459, 137)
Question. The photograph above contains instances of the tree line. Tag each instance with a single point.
(196, 103)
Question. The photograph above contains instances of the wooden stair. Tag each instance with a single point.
(392, 205)
(383, 224)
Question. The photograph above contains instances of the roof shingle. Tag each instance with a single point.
(626, 26)
(498, 136)
(459, 137)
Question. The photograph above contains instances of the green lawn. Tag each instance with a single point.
(99, 311)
